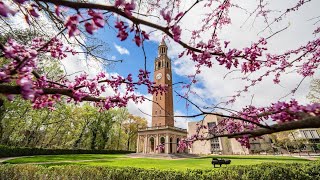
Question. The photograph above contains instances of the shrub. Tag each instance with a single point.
(6, 151)
(266, 171)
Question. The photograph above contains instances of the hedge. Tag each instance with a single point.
(6, 151)
(265, 171)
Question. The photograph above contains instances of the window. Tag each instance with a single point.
(305, 134)
(159, 64)
(215, 145)
(167, 64)
(211, 124)
(312, 135)
(160, 112)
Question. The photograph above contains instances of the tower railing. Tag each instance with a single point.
(162, 127)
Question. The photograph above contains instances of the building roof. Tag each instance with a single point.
(163, 43)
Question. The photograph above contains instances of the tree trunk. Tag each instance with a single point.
(128, 144)
(78, 141)
(118, 144)
(93, 138)
(2, 114)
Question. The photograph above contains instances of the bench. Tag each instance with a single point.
(220, 161)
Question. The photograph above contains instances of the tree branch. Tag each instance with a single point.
(80, 5)
(8, 89)
(309, 122)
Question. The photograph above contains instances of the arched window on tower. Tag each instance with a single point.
(167, 64)
(159, 64)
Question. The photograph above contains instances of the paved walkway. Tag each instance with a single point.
(311, 158)
(6, 159)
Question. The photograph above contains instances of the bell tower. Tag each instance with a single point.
(162, 109)
(162, 136)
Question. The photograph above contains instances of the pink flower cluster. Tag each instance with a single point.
(71, 24)
(97, 21)
(5, 11)
(160, 147)
(24, 62)
(280, 112)
(127, 7)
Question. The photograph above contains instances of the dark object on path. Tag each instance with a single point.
(220, 161)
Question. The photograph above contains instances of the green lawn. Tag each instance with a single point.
(67, 157)
(122, 160)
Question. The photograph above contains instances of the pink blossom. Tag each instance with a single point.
(145, 35)
(122, 34)
(137, 39)
(57, 10)
(20, 1)
(97, 18)
(118, 3)
(166, 15)
(128, 7)
(72, 25)
(33, 12)
(178, 15)
(176, 30)
(89, 28)
(5, 10)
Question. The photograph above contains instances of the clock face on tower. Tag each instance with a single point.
(168, 77)
(159, 75)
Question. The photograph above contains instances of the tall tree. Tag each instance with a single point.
(131, 127)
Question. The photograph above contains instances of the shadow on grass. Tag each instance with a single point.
(57, 158)
(280, 158)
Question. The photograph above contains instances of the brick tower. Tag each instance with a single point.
(163, 106)
(162, 130)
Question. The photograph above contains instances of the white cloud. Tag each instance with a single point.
(180, 121)
(121, 49)
(143, 109)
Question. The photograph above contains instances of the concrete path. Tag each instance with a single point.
(6, 159)
(311, 158)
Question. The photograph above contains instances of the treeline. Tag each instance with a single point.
(69, 126)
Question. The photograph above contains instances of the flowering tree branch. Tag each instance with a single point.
(307, 122)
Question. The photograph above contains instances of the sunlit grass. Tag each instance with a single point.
(123, 161)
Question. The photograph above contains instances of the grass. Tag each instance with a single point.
(123, 161)
(59, 158)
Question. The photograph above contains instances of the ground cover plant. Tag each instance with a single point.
(265, 171)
